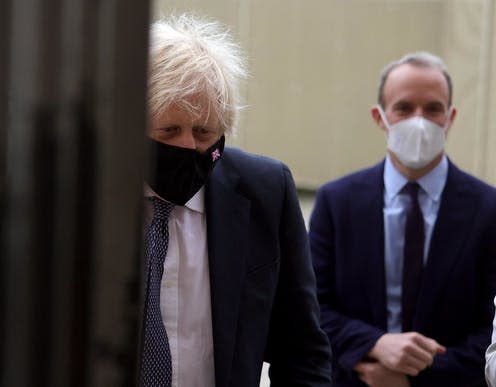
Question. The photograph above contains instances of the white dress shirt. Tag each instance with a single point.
(185, 295)
(491, 357)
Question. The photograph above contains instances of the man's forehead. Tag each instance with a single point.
(198, 109)
(410, 81)
(408, 72)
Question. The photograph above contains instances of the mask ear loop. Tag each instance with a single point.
(383, 116)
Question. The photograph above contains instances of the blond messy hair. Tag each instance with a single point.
(194, 57)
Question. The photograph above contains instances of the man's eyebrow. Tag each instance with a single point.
(401, 102)
(435, 103)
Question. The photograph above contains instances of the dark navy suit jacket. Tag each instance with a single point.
(459, 282)
(264, 305)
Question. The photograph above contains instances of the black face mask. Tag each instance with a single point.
(176, 173)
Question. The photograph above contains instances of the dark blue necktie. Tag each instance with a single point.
(156, 365)
(413, 257)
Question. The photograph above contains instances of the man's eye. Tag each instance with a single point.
(170, 129)
(203, 132)
(435, 109)
(403, 109)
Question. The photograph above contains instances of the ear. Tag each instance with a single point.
(451, 118)
(376, 116)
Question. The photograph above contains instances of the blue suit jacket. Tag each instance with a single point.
(264, 304)
(455, 302)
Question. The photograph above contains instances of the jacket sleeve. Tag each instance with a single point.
(463, 362)
(351, 339)
(298, 350)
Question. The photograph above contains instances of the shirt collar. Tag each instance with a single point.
(196, 203)
(432, 183)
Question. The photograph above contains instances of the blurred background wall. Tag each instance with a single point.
(315, 68)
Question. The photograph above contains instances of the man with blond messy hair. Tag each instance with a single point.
(229, 277)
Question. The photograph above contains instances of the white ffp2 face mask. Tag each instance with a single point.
(416, 141)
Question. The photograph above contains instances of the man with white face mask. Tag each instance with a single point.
(405, 251)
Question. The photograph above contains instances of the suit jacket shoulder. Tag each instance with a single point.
(470, 184)
(262, 284)
(252, 173)
(369, 175)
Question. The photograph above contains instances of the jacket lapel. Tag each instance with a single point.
(454, 219)
(369, 244)
(227, 228)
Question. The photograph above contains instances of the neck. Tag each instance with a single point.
(415, 174)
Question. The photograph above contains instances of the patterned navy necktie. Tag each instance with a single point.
(413, 257)
(156, 365)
